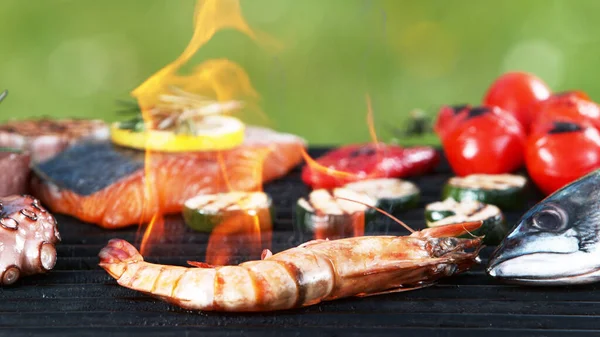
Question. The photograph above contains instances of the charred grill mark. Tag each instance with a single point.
(160, 271)
(563, 127)
(458, 108)
(298, 278)
(480, 207)
(229, 204)
(478, 111)
(259, 284)
(331, 266)
(135, 275)
(363, 151)
(176, 283)
(218, 291)
(240, 200)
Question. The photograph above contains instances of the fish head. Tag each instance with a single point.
(557, 241)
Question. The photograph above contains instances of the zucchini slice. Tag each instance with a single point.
(328, 217)
(204, 212)
(451, 211)
(391, 194)
(506, 191)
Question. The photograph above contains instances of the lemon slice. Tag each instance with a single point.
(214, 133)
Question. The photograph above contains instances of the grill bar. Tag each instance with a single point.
(79, 299)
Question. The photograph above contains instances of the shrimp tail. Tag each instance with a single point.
(116, 255)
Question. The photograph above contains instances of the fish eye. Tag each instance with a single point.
(551, 219)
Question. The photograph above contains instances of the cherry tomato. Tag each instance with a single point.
(365, 161)
(515, 92)
(488, 141)
(448, 117)
(574, 106)
(562, 154)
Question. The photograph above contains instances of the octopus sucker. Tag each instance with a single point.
(28, 235)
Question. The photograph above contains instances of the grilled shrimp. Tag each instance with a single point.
(316, 271)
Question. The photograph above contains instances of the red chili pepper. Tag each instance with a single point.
(515, 92)
(574, 106)
(365, 161)
(448, 118)
(563, 153)
(488, 140)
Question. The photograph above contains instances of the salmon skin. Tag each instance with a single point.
(110, 187)
(89, 167)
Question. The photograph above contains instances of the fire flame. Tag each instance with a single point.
(313, 164)
(221, 80)
(248, 228)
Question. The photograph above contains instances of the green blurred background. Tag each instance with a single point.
(76, 57)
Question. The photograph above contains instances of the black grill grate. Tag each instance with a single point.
(80, 299)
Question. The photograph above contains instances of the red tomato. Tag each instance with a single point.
(566, 152)
(448, 117)
(365, 161)
(515, 92)
(574, 106)
(487, 141)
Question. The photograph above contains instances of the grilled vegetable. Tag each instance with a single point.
(368, 161)
(204, 212)
(515, 93)
(448, 117)
(503, 190)
(328, 217)
(488, 141)
(573, 106)
(391, 195)
(562, 154)
(450, 211)
(209, 134)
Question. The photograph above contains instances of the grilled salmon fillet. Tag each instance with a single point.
(174, 178)
(44, 138)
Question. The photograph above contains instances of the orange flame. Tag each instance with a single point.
(313, 164)
(248, 228)
(222, 76)
(371, 121)
(243, 233)
(324, 169)
(217, 79)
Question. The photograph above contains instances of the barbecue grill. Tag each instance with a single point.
(79, 299)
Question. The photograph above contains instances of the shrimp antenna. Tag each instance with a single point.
(471, 234)
(380, 211)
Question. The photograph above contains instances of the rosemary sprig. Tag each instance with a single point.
(178, 111)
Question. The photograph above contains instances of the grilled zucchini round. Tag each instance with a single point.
(506, 191)
(204, 212)
(328, 217)
(391, 195)
(451, 211)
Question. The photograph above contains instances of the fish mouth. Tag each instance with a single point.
(544, 269)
